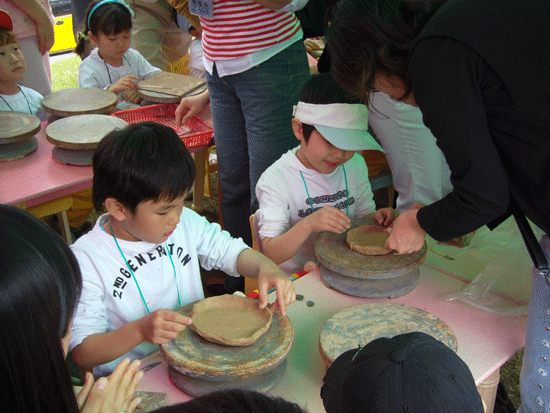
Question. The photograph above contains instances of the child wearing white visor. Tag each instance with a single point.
(321, 184)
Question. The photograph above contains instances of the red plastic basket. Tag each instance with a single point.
(165, 114)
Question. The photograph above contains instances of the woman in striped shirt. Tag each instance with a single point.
(256, 64)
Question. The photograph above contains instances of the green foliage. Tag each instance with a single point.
(65, 72)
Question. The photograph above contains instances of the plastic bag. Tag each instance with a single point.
(500, 269)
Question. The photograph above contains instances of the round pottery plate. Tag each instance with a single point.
(17, 126)
(82, 132)
(358, 325)
(79, 101)
(230, 320)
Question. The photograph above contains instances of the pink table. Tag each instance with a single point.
(38, 178)
(485, 341)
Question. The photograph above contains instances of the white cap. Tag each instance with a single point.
(344, 125)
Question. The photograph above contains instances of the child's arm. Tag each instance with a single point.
(286, 245)
(158, 327)
(253, 264)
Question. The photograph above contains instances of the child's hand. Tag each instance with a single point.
(328, 218)
(272, 276)
(124, 83)
(161, 326)
(114, 393)
(132, 96)
(385, 216)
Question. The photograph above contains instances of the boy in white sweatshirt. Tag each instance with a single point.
(141, 261)
(321, 184)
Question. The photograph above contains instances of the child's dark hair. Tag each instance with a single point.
(234, 401)
(7, 37)
(110, 18)
(322, 89)
(144, 161)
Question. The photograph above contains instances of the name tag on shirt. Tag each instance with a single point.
(202, 8)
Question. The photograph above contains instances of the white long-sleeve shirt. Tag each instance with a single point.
(284, 199)
(110, 297)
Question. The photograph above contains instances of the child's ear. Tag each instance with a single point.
(297, 129)
(116, 209)
(94, 40)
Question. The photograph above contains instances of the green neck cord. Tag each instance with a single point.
(347, 191)
(134, 277)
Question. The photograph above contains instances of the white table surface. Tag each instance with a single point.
(485, 341)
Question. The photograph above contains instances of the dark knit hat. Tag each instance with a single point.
(410, 372)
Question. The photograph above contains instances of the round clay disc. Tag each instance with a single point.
(73, 156)
(332, 251)
(82, 132)
(230, 320)
(79, 101)
(368, 240)
(359, 325)
(18, 150)
(17, 126)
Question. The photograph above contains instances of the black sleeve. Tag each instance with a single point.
(447, 80)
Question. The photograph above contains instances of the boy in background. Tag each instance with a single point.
(140, 263)
(321, 184)
(14, 97)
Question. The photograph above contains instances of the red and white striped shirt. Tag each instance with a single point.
(241, 27)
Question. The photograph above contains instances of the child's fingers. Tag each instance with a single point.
(263, 288)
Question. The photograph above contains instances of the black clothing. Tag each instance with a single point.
(480, 73)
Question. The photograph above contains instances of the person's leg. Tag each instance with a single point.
(420, 172)
(268, 93)
(535, 368)
(37, 73)
(232, 153)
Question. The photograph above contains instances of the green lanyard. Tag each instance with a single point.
(347, 191)
(134, 277)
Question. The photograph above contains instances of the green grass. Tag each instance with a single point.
(65, 72)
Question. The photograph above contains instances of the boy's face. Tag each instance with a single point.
(153, 221)
(12, 63)
(112, 47)
(318, 153)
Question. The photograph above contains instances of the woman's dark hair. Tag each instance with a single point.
(110, 19)
(144, 161)
(322, 89)
(234, 401)
(367, 37)
(40, 285)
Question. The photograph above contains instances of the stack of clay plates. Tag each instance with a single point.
(79, 101)
(378, 276)
(198, 366)
(77, 137)
(167, 87)
(17, 135)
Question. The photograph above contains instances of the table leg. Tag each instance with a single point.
(488, 391)
(198, 183)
